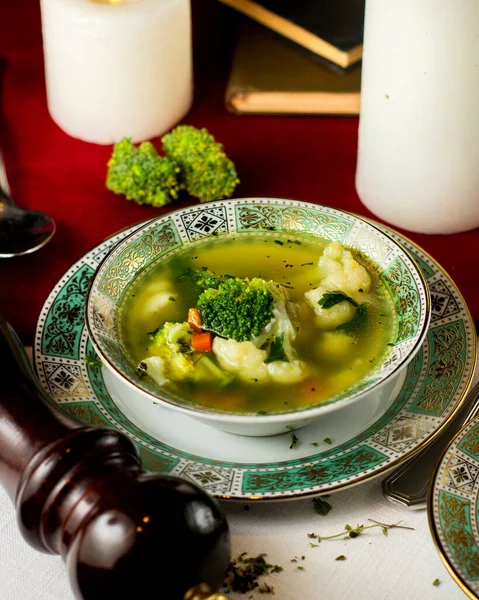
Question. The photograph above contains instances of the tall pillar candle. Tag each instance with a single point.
(418, 151)
(117, 68)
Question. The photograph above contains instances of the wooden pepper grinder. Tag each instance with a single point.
(81, 492)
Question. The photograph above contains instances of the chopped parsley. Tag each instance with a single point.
(294, 441)
(244, 571)
(321, 507)
(330, 299)
(141, 370)
(92, 362)
(276, 351)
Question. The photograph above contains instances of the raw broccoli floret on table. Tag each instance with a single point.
(237, 309)
(141, 174)
(205, 170)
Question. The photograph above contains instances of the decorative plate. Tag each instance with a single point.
(328, 456)
(453, 508)
(190, 227)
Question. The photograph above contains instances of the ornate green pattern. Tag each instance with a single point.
(404, 292)
(390, 439)
(152, 244)
(446, 362)
(470, 443)
(85, 412)
(310, 475)
(64, 320)
(292, 219)
(454, 507)
(456, 524)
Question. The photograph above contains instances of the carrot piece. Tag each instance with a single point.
(194, 320)
(202, 342)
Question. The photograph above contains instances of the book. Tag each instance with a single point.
(331, 29)
(271, 76)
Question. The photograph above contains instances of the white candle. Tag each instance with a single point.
(117, 68)
(418, 154)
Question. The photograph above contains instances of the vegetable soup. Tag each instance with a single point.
(258, 324)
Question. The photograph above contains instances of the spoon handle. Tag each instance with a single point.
(4, 186)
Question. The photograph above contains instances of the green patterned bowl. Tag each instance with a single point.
(165, 235)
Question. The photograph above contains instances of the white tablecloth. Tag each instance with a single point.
(402, 565)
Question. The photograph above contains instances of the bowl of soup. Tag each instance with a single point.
(257, 315)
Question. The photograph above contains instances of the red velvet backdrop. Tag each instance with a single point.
(309, 158)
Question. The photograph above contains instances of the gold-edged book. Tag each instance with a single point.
(332, 29)
(269, 75)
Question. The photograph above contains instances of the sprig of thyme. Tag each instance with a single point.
(353, 532)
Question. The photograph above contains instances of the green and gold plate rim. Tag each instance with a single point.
(453, 508)
(436, 383)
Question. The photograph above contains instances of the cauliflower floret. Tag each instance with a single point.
(247, 362)
(335, 344)
(155, 368)
(241, 358)
(157, 303)
(329, 318)
(338, 270)
(281, 371)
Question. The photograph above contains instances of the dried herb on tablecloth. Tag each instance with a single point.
(353, 532)
(321, 507)
(244, 571)
(436, 582)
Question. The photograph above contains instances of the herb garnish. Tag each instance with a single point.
(279, 242)
(315, 444)
(353, 532)
(321, 507)
(141, 370)
(172, 299)
(243, 573)
(92, 362)
(340, 557)
(308, 264)
(294, 441)
(276, 351)
(436, 582)
(327, 441)
(330, 299)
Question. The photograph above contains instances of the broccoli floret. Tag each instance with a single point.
(237, 308)
(205, 170)
(177, 336)
(204, 278)
(141, 174)
(172, 344)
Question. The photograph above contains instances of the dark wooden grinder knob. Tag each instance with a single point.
(81, 492)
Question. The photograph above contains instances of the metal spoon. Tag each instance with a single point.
(21, 231)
